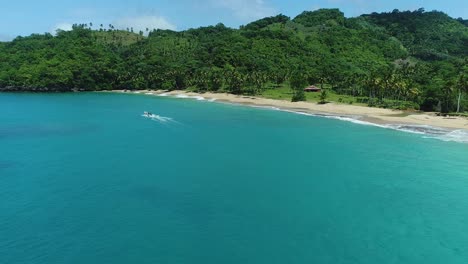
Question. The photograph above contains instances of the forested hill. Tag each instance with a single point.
(415, 57)
(427, 35)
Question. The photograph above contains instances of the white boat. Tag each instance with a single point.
(156, 117)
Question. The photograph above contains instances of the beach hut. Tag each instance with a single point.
(312, 88)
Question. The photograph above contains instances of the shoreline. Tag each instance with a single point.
(376, 116)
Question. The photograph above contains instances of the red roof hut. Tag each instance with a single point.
(312, 88)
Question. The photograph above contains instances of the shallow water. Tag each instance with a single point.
(84, 178)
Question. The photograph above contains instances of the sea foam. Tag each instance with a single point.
(459, 135)
(431, 132)
(428, 131)
(184, 96)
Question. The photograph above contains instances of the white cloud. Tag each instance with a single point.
(5, 37)
(246, 9)
(357, 7)
(61, 26)
(143, 22)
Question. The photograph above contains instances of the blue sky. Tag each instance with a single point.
(20, 17)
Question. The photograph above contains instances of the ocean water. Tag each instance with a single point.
(85, 178)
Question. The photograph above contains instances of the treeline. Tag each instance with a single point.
(411, 59)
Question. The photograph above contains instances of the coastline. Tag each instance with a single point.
(377, 116)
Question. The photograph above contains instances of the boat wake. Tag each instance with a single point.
(158, 118)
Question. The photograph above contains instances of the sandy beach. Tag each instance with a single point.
(369, 114)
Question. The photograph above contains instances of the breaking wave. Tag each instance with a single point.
(184, 96)
(459, 135)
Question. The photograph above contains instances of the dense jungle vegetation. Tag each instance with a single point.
(401, 59)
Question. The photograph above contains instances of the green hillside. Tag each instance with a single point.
(427, 35)
(397, 60)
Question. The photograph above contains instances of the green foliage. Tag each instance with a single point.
(321, 17)
(298, 82)
(427, 35)
(262, 23)
(298, 96)
(323, 96)
(395, 60)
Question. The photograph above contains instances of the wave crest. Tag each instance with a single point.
(459, 135)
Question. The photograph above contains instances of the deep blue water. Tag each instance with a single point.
(84, 178)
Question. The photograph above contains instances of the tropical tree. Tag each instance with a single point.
(447, 90)
(323, 96)
(235, 80)
(298, 82)
(462, 87)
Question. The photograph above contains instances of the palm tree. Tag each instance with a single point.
(216, 81)
(235, 80)
(447, 96)
(462, 85)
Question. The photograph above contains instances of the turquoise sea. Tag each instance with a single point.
(85, 178)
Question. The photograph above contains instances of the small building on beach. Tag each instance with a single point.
(312, 88)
